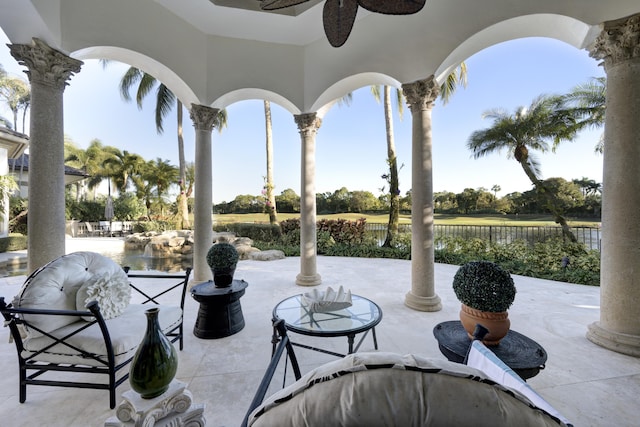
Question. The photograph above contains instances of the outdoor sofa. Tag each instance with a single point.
(388, 389)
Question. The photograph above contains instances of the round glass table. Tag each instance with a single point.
(361, 317)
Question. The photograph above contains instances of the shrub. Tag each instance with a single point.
(222, 256)
(325, 242)
(485, 286)
(13, 242)
(256, 232)
(343, 230)
(159, 226)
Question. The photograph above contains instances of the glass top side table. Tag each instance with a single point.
(361, 317)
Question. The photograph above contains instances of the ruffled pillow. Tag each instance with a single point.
(112, 294)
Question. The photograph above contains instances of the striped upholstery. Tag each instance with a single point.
(386, 389)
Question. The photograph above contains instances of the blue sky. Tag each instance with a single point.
(351, 147)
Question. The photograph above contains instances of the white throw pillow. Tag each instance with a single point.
(112, 294)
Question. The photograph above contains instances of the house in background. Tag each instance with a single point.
(19, 169)
(12, 145)
(15, 162)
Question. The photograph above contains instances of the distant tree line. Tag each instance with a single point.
(579, 197)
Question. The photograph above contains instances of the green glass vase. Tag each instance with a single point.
(155, 362)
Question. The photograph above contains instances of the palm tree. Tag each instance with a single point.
(495, 190)
(90, 161)
(152, 184)
(124, 165)
(16, 94)
(269, 194)
(165, 100)
(588, 186)
(528, 129)
(587, 102)
(456, 78)
(164, 174)
(392, 160)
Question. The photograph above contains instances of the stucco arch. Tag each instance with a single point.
(349, 84)
(560, 27)
(145, 63)
(255, 93)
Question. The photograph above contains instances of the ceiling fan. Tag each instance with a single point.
(338, 16)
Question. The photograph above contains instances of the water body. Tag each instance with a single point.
(114, 248)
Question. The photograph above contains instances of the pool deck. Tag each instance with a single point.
(589, 385)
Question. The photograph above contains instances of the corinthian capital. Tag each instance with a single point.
(308, 122)
(421, 94)
(618, 41)
(45, 64)
(203, 117)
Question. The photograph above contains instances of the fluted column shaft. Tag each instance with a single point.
(619, 326)
(48, 70)
(308, 125)
(204, 120)
(420, 97)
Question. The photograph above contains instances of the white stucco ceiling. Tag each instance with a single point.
(212, 54)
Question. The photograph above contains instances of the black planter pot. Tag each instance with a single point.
(223, 277)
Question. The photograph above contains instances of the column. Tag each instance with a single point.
(204, 120)
(308, 125)
(420, 97)
(619, 326)
(48, 71)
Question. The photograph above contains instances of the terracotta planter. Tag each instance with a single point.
(497, 323)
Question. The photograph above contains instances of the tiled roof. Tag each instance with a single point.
(22, 162)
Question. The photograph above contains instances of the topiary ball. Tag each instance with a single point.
(485, 286)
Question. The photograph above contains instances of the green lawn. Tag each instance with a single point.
(528, 220)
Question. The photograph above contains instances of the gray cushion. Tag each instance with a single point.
(386, 389)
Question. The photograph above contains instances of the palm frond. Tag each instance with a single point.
(130, 78)
(456, 78)
(399, 103)
(376, 92)
(345, 100)
(165, 100)
(147, 82)
(221, 120)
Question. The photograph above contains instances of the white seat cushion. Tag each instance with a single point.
(126, 331)
(55, 287)
(386, 389)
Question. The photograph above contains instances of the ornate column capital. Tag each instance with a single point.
(618, 41)
(307, 123)
(421, 94)
(45, 64)
(203, 117)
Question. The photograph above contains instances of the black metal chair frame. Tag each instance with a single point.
(284, 344)
(14, 317)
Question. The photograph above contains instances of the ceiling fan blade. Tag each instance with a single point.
(393, 7)
(338, 20)
(279, 4)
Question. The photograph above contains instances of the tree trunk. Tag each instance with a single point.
(394, 185)
(550, 197)
(270, 196)
(183, 206)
